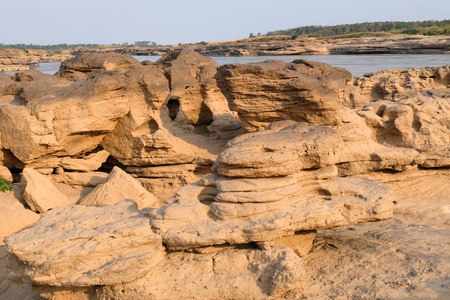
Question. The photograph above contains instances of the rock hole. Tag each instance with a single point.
(174, 106)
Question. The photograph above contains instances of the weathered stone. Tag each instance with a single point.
(13, 215)
(118, 187)
(301, 242)
(269, 195)
(271, 91)
(91, 162)
(40, 193)
(85, 65)
(83, 179)
(70, 120)
(280, 151)
(399, 83)
(88, 246)
(421, 120)
(230, 274)
(335, 202)
(5, 173)
(226, 184)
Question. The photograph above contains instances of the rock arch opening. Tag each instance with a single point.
(174, 106)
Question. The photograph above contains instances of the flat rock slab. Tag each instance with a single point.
(81, 246)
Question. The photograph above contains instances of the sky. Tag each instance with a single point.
(169, 22)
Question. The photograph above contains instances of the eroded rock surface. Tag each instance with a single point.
(119, 186)
(93, 246)
(40, 194)
(271, 91)
(243, 230)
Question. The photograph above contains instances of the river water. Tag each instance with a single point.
(358, 65)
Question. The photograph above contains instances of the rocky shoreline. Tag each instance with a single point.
(183, 179)
(12, 60)
(285, 45)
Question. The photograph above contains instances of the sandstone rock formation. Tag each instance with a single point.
(143, 115)
(301, 91)
(397, 84)
(112, 249)
(20, 60)
(119, 186)
(40, 194)
(319, 146)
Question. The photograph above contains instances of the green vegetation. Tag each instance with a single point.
(370, 28)
(145, 43)
(5, 185)
(59, 47)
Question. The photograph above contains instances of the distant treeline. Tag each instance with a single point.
(423, 27)
(60, 47)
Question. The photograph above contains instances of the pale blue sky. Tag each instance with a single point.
(172, 22)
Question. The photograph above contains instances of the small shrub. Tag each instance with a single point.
(5, 185)
(294, 36)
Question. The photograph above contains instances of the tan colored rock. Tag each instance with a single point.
(5, 173)
(227, 184)
(269, 195)
(436, 157)
(93, 246)
(89, 163)
(85, 65)
(230, 274)
(118, 187)
(40, 193)
(420, 120)
(301, 242)
(280, 151)
(91, 179)
(335, 202)
(71, 119)
(169, 171)
(271, 91)
(399, 83)
(14, 217)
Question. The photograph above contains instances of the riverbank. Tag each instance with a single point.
(12, 60)
(286, 45)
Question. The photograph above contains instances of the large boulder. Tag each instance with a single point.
(71, 120)
(420, 120)
(85, 65)
(94, 246)
(302, 91)
(282, 149)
